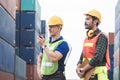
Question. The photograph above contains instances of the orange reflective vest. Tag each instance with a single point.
(89, 49)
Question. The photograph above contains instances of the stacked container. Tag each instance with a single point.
(111, 53)
(28, 28)
(7, 39)
(117, 43)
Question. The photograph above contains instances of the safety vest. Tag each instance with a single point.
(48, 67)
(89, 49)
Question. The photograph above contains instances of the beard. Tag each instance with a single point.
(88, 26)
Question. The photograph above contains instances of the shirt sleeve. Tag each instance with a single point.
(99, 57)
(63, 48)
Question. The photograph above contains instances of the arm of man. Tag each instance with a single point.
(53, 56)
(39, 60)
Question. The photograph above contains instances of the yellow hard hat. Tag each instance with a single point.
(94, 13)
(55, 20)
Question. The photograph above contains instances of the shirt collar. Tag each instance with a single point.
(60, 38)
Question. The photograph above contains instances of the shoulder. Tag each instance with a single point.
(63, 44)
(102, 37)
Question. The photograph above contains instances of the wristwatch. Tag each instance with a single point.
(44, 46)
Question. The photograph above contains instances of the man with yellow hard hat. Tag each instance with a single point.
(50, 64)
(94, 60)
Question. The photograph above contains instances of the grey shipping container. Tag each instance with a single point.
(20, 69)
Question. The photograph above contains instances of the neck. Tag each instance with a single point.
(55, 37)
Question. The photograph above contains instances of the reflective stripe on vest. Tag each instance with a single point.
(47, 67)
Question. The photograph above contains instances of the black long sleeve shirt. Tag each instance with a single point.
(101, 46)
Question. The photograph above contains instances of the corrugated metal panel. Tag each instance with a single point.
(116, 73)
(117, 57)
(111, 51)
(117, 41)
(18, 17)
(28, 5)
(20, 69)
(17, 38)
(6, 76)
(111, 38)
(10, 6)
(31, 72)
(117, 24)
(7, 27)
(30, 20)
(7, 57)
(28, 38)
(117, 9)
(29, 54)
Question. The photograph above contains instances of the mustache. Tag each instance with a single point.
(86, 24)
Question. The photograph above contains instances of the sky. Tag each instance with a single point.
(71, 12)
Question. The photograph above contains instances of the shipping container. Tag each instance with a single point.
(18, 5)
(111, 38)
(17, 51)
(7, 57)
(117, 57)
(17, 38)
(111, 51)
(116, 73)
(31, 5)
(7, 27)
(117, 9)
(30, 20)
(18, 19)
(117, 24)
(117, 41)
(20, 69)
(29, 54)
(28, 38)
(31, 70)
(6, 76)
(9, 6)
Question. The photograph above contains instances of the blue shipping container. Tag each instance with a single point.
(7, 27)
(29, 54)
(28, 38)
(17, 38)
(7, 57)
(30, 20)
(111, 51)
(18, 19)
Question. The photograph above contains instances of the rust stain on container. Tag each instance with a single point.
(10, 6)
(111, 38)
(31, 72)
(6, 76)
(18, 5)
